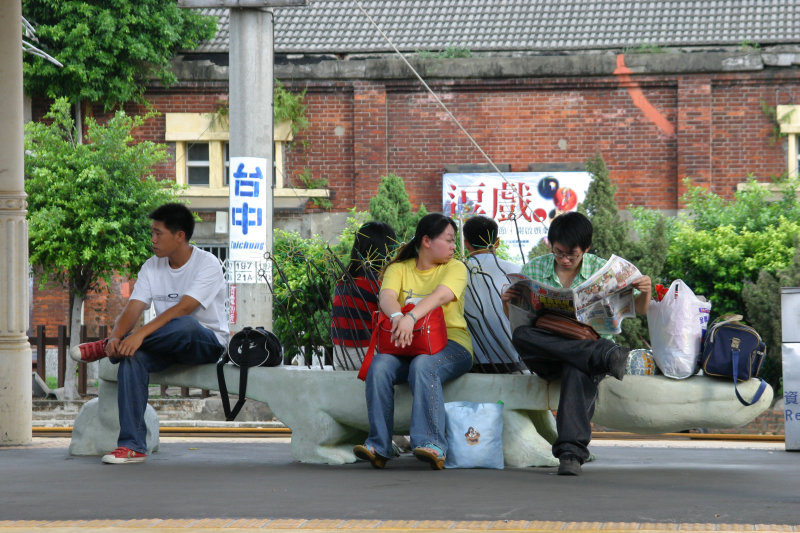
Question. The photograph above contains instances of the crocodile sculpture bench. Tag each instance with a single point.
(327, 413)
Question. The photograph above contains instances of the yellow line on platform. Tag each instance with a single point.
(617, 435)
(182, 430)
(230, 525)
(285, 432)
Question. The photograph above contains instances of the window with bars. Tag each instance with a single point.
(220, 251)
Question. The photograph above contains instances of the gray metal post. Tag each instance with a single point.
(251, 132)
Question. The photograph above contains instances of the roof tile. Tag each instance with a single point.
(338, 26)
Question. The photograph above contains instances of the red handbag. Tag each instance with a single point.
(429, 337)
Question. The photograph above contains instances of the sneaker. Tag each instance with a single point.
(569, 465)
(431, 454)
(89, 351)
(124, 455)
(617, 361)
(367, 453)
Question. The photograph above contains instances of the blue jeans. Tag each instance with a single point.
(424, 375)
(182, 340)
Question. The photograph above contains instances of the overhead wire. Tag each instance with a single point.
(449, 113)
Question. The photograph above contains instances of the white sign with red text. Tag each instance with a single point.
(522, 203)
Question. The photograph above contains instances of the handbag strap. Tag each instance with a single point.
(230, 414)
(373, 343)
(761, 388)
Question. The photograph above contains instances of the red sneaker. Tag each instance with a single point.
(89, 351)
(124, 455)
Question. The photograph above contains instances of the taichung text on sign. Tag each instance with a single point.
(249, 184)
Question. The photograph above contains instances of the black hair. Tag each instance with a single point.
(570, 230)
(372, 245)
(431, 225)
(480, 231)
(175, 217)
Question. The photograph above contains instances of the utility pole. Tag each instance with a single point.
(251, 180)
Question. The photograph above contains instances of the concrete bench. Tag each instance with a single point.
(327, 413)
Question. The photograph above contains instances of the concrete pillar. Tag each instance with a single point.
(15, 352)
(251, 131)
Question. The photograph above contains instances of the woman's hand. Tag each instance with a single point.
(403, 331)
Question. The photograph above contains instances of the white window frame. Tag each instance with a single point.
(198, 163)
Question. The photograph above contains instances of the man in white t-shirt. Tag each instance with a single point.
(187, 288)
(483, 309)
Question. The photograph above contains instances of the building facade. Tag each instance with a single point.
(713, 114)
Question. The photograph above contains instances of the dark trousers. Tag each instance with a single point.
(580, 364)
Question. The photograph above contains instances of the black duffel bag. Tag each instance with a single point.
(248, 348)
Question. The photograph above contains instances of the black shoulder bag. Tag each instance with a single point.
(248, 348)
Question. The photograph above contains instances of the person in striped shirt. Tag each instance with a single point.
(355, 295)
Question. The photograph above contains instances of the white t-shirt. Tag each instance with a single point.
(201, 278)
(483, 309)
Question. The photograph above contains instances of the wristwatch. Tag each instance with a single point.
(395, 315)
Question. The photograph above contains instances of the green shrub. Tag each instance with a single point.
(717, 262)
(761, 300)
(392, 206)
(304, 274)
(751, 208)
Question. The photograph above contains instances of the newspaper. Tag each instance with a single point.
(602, 301)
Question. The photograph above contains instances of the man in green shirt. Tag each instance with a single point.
(580, 364)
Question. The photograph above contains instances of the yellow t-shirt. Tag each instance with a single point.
(410, 283)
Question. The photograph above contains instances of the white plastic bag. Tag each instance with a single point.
(474, 435)
(676, 325)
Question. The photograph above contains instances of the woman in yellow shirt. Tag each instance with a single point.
(424, 273)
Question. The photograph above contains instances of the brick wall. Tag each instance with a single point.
(719, 133)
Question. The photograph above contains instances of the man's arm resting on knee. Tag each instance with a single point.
(128, 346)
(123, 324)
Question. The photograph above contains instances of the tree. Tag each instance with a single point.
(643, 243)
(392, 206)
(610, 232)
(109, 48)
(88, 203)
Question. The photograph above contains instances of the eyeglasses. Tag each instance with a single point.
(561, 255)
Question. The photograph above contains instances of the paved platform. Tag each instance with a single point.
(253, 484)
